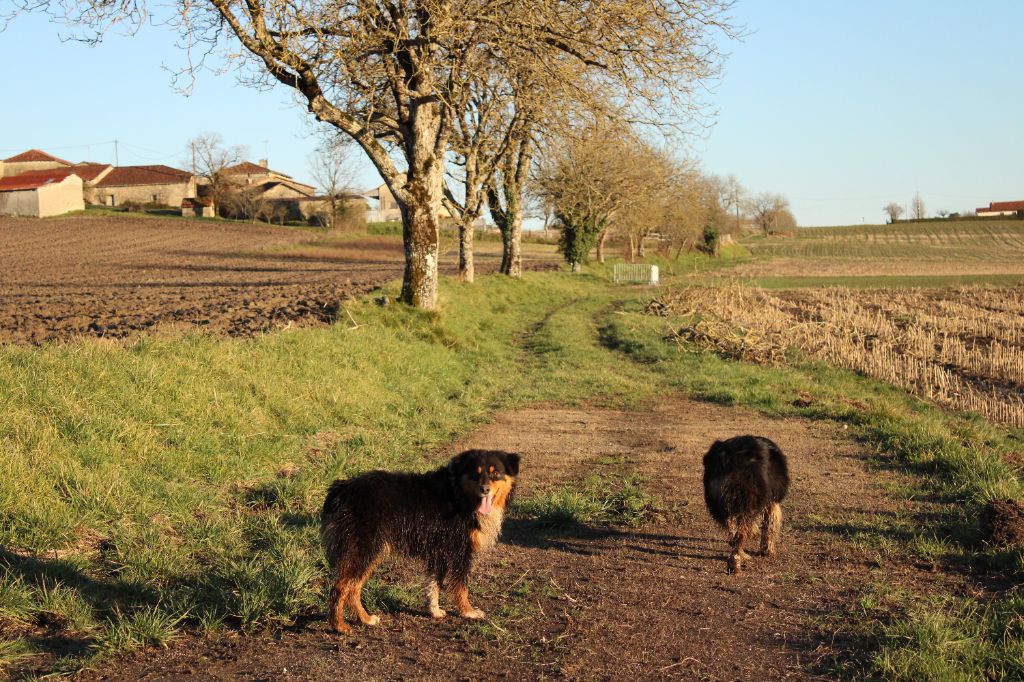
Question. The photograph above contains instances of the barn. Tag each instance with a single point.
(41, 193)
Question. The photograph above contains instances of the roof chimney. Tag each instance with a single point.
(263, 162)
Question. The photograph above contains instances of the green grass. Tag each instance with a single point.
(599, 499)
(175, 481)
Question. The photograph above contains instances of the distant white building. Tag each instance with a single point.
(1010, 208)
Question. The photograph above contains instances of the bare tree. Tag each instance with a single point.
(209, 157)
(390, 74)
(246, 202)
(330, 165)
(893, 210)
(595, 179)
(917, 208)
(733, 198)
(766, 210)
(479, 134)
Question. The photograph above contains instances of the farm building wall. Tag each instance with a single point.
(283, 191)
(60, 198)
(20, 203)
(166, 194)
(18, 167)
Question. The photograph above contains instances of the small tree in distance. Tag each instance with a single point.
(210, 157)
(894, 211)
(771, 212)
(331, 167)
(917, 208)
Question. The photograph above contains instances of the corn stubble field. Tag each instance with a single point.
(962, 348)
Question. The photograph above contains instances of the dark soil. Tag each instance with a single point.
(606, 601)
(115, 277)
(1002, 523)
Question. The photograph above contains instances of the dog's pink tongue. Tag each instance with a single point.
(485, 505)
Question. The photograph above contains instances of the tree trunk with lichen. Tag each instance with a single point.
(420, 235)
(420, 203)
(600, 245)
(466, 270)
(419, 200)
(509, 221)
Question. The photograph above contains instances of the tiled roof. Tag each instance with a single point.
(144, 175)
(35, 155)
(299, 187)
(250, 168)
(90, 171)
(34, 179)
(1006, 206)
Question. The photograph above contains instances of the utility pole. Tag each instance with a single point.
(193, 159)
(117, 161)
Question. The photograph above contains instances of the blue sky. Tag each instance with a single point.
(840, 106)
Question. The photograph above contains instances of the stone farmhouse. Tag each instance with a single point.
(280, 195)
(272, 184)
(109, 186)
(1007, 208)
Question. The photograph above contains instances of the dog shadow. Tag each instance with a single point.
(589, 540)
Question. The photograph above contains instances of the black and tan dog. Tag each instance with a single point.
(441, 517)
(745, 480)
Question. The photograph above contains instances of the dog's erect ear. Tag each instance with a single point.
(462, 462)
(511, 461)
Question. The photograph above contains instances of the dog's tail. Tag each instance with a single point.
(334, 521)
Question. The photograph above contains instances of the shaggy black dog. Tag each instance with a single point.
(441, 517)
(745, 480)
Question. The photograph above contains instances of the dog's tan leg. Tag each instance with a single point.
(433, 597)
(339, 595)
(466, 609)
(737, 556)
(355, 599)
(771, 529)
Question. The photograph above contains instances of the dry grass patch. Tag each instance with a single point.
(962, 348)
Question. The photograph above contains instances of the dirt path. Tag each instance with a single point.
(648, 602)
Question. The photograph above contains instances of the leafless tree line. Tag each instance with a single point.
(606, 181)
(450, 99)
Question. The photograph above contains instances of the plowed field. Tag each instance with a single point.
(115, 277)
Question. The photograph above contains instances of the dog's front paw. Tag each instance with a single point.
(372, 620)
(437, 613)
(474, 614)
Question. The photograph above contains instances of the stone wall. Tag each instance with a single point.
(21, 203)
(166, 195)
